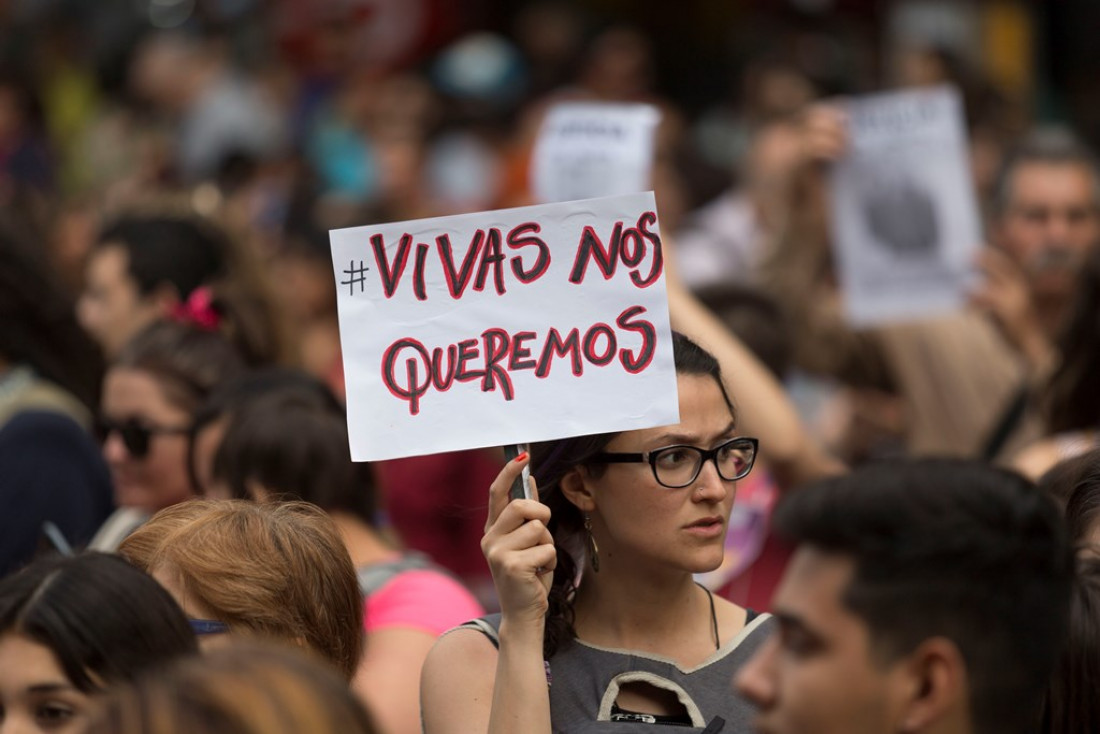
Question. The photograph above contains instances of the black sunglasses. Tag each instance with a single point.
(135, 434)
(678, 466)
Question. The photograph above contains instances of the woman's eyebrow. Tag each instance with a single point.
(678, 438)
(51, 687)
(672, 438)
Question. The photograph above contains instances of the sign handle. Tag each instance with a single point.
(521, 488)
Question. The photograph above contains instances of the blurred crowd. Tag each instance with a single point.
(169, 172)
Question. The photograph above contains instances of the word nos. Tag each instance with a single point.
(484, 260)
(410, 370)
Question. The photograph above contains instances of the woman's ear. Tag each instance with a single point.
(575, 488)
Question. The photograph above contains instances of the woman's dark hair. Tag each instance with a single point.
(1073, 402)
(40, 327)
(1070, 704)
(234, 394)
(252, 319)
(103, 619)
(186, 360)
(1061, 480)
(1083, 502)
(293, 440)
(552, 460)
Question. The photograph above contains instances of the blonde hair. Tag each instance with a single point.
(239, 689)
(278, 570)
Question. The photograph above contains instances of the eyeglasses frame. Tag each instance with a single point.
(650, 457)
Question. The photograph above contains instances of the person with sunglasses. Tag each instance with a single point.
(278, 436)
(601, 617)
(150, 395)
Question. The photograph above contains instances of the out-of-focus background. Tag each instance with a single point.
(273, 121)
(246, 92)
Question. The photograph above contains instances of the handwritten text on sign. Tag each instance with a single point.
(489, 328)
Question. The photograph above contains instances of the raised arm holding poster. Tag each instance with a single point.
(590, 149)
(497, 327)
(905, 225)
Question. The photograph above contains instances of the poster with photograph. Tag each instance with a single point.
(905, 223)
(591, 149)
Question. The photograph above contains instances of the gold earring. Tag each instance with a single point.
(593, 549)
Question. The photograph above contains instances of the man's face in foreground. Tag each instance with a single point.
(817, 674)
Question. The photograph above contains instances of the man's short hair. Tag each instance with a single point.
(955, 549)
(1052, 145)
(182, 251)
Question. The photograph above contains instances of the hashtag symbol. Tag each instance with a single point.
(356, 275)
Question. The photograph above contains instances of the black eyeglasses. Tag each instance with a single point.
(678, 466)
(202, 627)
(135, 434)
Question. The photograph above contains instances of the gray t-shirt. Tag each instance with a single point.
(585, 682)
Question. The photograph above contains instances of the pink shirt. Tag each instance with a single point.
(421, 599)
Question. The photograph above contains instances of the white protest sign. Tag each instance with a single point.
(590, 149)
(905, 225)
(502, 327)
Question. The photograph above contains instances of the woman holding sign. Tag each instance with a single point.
(603, 627)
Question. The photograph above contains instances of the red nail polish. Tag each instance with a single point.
(521, 457)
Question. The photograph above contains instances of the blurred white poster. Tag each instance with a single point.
(589, 149)
(905, 224)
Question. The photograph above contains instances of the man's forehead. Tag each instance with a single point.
(814, 583)
(1029, 178)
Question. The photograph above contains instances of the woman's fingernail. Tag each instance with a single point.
(521, 457)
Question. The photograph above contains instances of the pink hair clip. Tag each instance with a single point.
(198, 310)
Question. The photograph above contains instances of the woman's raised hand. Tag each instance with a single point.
(519, 547)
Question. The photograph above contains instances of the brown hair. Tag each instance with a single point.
(186, 361)
(292, 440)
(276, 569)
(239, 689)
(141, 546)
